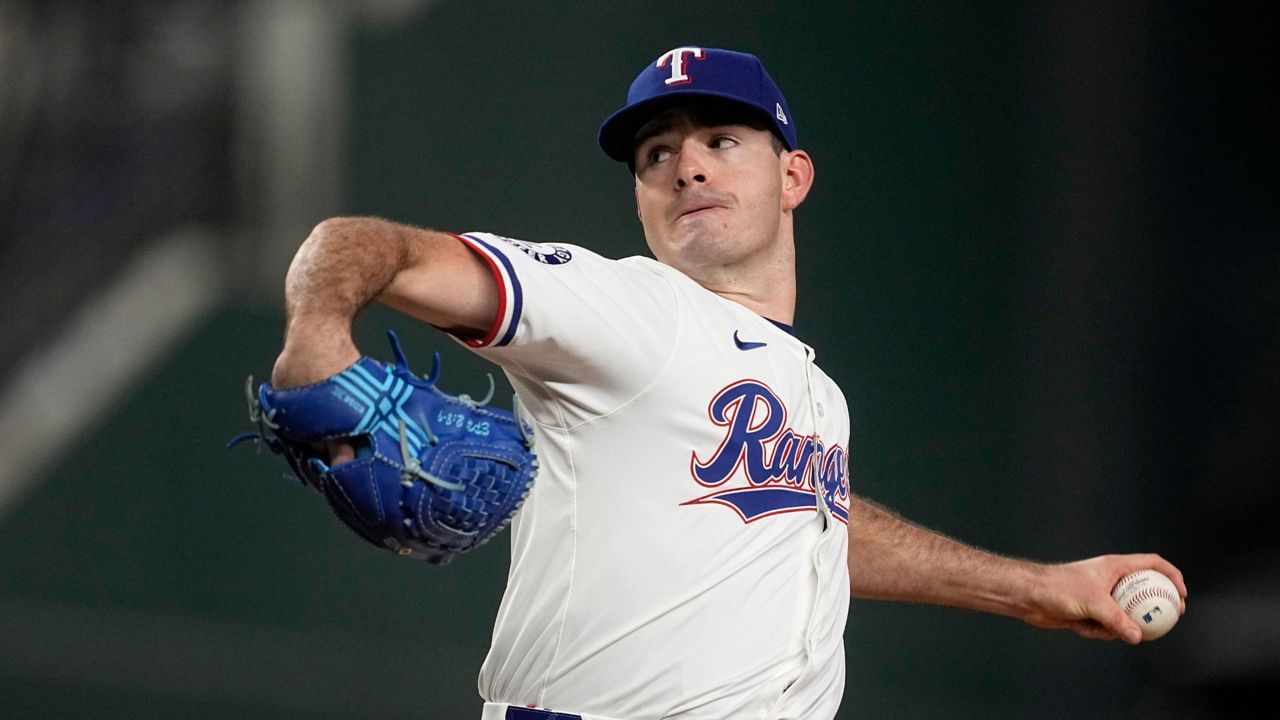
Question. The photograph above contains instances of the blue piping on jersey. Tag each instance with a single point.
(785, 327)
(517, 293)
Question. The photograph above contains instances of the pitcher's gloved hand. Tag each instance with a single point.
(434, 474)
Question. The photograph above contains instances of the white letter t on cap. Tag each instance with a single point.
(677, 59)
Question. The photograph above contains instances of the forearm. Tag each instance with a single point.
(342, 265)
(347, 262)
(893, 559)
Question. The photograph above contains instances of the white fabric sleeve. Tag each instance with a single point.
(585, 329)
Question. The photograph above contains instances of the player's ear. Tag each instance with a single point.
(797, 177)
(639, 214)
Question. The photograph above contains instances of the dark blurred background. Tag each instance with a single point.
(1041, 258)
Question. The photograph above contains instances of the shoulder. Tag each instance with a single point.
(550, 254)
(564, 262)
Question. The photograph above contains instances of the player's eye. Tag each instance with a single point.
(657, 155)
(721, 142)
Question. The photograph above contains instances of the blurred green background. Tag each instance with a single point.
(1041, 259)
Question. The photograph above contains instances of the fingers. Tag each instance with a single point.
(1117, 624)
(1175, 575)
(1166, 567)
(340, 451)
(1087, 595)
(1078, 595)
(1114, 618)
(1155, 562)
(1092, 630)
(1158, 563)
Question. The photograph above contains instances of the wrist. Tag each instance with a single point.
(1026, 599)
(1006, 586)
(318, 329)
(315, 348)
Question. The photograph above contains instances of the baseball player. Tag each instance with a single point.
(691, 543)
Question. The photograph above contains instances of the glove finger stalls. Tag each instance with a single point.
(355, 486)
(407, 467)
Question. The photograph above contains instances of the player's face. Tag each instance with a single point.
(709, 191)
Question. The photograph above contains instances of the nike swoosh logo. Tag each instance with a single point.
(746, 344)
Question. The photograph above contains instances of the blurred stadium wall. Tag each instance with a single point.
(1041, 258)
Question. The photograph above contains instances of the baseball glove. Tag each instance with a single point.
(435, 475)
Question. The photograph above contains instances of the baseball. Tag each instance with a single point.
(1151, 599)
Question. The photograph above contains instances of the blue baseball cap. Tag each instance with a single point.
(696, 72)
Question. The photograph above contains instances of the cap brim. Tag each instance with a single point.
(618, 132)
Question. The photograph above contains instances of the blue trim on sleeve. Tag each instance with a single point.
(788, 329)
(517, 292)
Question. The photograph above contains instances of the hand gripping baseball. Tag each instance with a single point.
(434, 475)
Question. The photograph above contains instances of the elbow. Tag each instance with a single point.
(338, 227)
(334, 237)
(344, 234)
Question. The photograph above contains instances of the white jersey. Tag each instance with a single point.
(672, 559)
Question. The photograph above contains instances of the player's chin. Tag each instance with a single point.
(706, 241)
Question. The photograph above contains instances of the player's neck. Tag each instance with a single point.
(778, 311)
(765, 285)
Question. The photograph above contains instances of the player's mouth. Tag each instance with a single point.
(695, 207)
(698, 212)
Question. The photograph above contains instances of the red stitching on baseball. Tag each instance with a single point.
(1146, 593)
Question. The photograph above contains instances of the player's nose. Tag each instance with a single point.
(692, 168)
